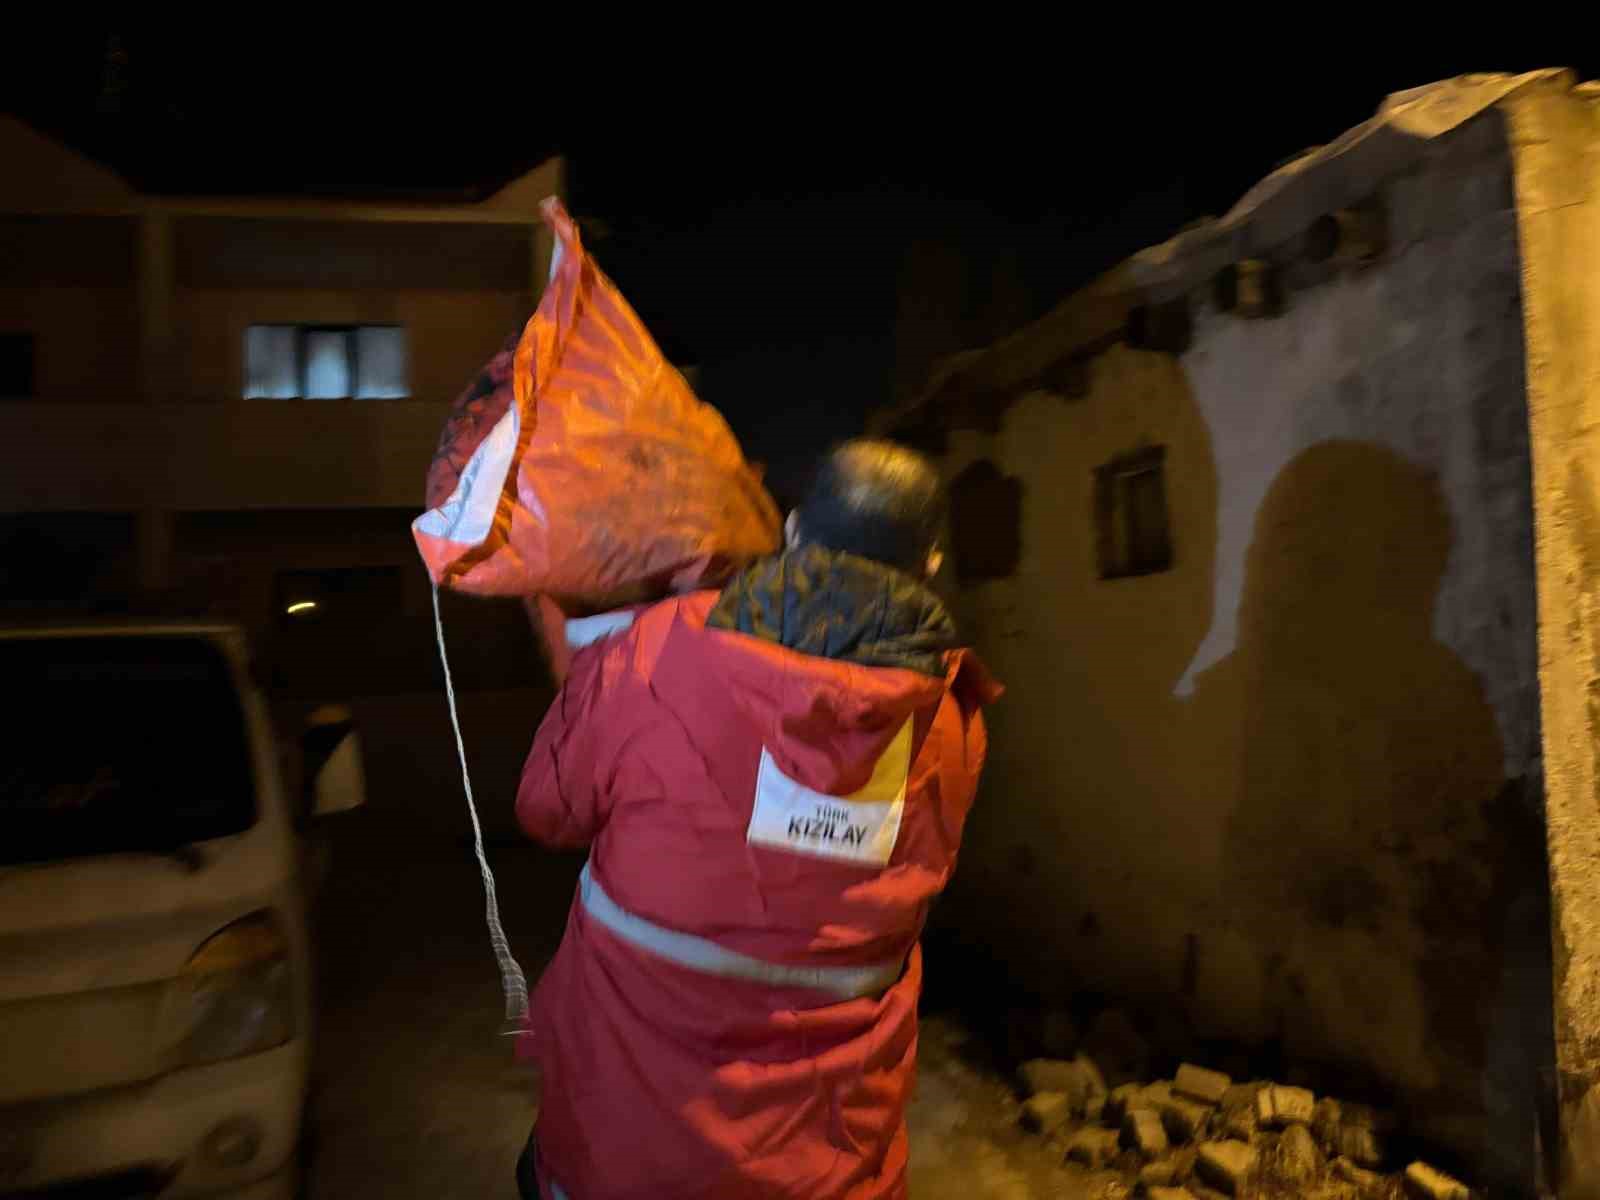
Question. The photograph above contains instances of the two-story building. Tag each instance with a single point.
(227, 407)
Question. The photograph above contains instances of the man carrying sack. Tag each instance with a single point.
(772, 780)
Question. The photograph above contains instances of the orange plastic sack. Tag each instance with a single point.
(598, 471)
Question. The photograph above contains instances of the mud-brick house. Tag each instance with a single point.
(1285, 537)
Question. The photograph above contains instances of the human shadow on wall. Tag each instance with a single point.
(1375, 855)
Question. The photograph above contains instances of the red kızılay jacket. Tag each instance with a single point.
(772, 781)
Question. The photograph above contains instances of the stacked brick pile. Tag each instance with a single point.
(1201, 1136)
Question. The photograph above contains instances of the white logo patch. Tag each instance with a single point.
(861, 827)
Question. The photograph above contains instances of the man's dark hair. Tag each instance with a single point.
(878, 500)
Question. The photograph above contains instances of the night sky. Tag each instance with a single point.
(758, 216)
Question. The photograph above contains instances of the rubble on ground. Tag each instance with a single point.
(1197, 1083)
(1143, 1131)
(1047, 1112)
(1228, 1166)
(1363, 1179)
(1426, 1183)
(1185, 1120)
(1093, 1147)
(1204, 1136)
(1298, 1158)
(1078, 1079)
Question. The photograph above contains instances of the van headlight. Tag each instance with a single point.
(235, 995)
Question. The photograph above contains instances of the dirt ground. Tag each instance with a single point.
(416, 1094)
(965, 1139)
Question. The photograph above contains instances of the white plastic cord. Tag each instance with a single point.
(512, 980)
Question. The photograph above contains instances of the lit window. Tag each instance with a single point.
(325, 362)
(326, 366)
(381, 357)
(1130, 507)
(271, 359)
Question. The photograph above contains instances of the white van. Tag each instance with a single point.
(155, 1012)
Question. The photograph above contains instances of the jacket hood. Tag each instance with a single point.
(838, 606)
(831, 655)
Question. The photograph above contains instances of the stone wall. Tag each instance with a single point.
(1285, 792)
(1556, 133)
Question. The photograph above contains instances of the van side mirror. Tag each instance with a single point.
(333, 761)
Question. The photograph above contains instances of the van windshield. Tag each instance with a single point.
(119, 744)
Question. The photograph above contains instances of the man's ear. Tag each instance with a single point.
(791, 530)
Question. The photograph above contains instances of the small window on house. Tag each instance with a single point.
(1130, 509)
(16, 366)
(325, 362)
(381, 357)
